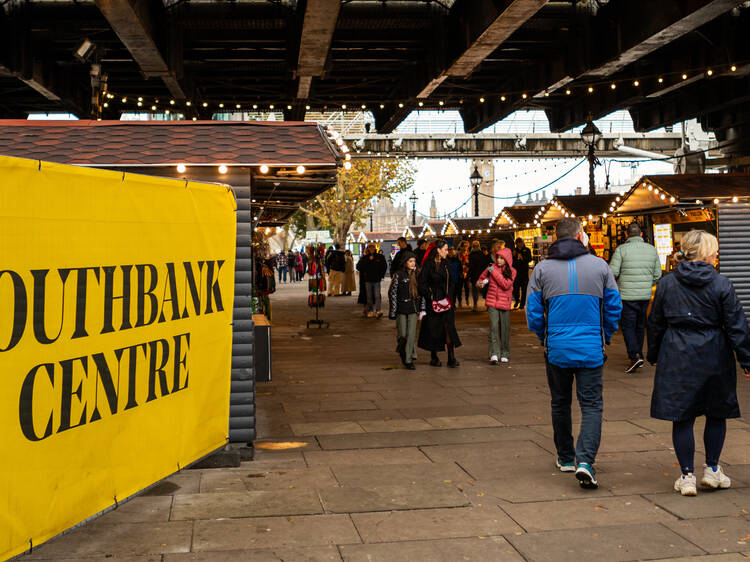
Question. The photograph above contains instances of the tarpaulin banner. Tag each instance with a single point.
(116, 295)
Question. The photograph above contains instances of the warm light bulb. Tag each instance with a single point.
(140, 99)
(650, 187)
(140, 104)
(660, 80)
(300, 169)
(289, 107)
(671, 199)
(105, 104)
(223, 169)
(524, 96)
(307, 107)
(238, 106)
(734, 199)
(382, 106)
(710, 72)
(181, 168)
(567, 92)
(124, 100)
(255, 106)
(716, 201)
(205, 104)
(591, 89)
(188, 103)
(401, 105)
(263, 169)
(636, 83)
(171, 102)
(343, 106)
(684, 76)
(153, 108)
(502, 98)
(613, 85)
(421, 104)
(221, 105)
(481, 100)
(441, 103)
(733, 68)
(347, 165)
(270, 106)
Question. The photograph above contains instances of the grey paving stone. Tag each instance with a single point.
(623, 542)
(326, 428)
(381, 426)
(104, 539)
(530, 485)
(355, 416)
(581, 513)
(297, 478)
(219, 480)
(312, 554)
(245, 504)
(275, 460)
(480, 549)
(424, 438)
(425, 412)
(708, 503)
(463, 422)
(716, 534)
(433, 524)
(382, 475)
(320, 396)
(491, 460)
(728, 557)
(274, 532)
(372, 457)
(142, 509)
(144, 558)
(353, 499)
(185, 482)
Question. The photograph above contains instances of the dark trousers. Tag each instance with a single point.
(282, 274)
(519, 290)
(684, 441)
(589, 391)
(633, 325)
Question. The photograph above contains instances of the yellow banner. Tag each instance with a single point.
(116, 295)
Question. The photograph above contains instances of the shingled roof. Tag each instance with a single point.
(165, 143)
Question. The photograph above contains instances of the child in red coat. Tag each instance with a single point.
(499, 278)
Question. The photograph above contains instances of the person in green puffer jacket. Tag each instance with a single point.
(637, 268)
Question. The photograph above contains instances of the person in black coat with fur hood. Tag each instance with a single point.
(438, 329)
(695, 330)
(405, 307)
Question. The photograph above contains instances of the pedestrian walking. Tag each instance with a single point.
(398, 260)
(405, 307)
(498, 279)
(299, 265)
(349, 284)
(521, 261)
(636, 267)
(282, 265)
(292, 267)
(477, 264)
(420, 251)
(695, 330)
(573, 307)
(373, 266)
(336, 263)
(438, 329)
(463, 287)
(456, 272)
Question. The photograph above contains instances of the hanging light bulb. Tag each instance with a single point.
(591, 89)
(289, 107)
(401, 105)
(223, 169)
(733, 68)
(684, 76)
(181, 168)
(382, 106)
(524, 96)
(271, 106)
(421, 104)
(481, 100)
(140, 99)
(636, 83)
(300, 169)
(716, 201)
(124, 100)
(171, 102)
(343, 106)
(502, 98)
(205, 104)
(221, 105)
(567, 92)
(307, 107)
(238, 106)
(710, 72)
(264, 169)
(660, 80)
(441, 103)
(613, 85)
(347, 165)
(153, 108)
(255, 106)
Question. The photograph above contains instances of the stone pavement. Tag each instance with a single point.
(361, 460)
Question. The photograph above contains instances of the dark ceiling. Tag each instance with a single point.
(486, 58)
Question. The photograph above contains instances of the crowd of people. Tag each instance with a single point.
(575, 302)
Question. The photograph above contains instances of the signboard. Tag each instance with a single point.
(663, 242)
(116, 296)
(318, 236)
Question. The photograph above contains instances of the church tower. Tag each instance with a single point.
(487, 187)
(433, 209)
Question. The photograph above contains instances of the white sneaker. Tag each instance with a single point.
(685, 484)
(715, 479)
(493, 360)
(503, 359)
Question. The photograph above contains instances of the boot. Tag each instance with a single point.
(401, 349)
(452, 358)
(435, 360)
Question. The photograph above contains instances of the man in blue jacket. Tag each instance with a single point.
(573, 305)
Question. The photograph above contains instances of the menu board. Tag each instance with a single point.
(663, 242)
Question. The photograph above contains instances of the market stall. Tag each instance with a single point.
(670, 205)
(431, 229)
(412, 232)
(520, 222)
(470, 228)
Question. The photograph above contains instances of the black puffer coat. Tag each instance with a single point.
(400, 298)
(437, 329)
(695, 327)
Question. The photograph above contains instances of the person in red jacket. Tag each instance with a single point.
(499, 300)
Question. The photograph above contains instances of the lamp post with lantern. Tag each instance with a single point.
(413, 200)
(476, 180)
(591, 135)
(371, 212)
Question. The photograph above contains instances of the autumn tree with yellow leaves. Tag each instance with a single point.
(346, 204)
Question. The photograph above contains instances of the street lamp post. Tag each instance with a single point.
(371, 212)
(476, 180)
(413, 200)
(590, 136)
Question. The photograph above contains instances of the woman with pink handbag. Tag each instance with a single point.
(438, 329)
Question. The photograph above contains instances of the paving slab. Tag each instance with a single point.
(432, 412)
(353, 499)
(622, 542)
(274, 532)
(728, 557)
(245, 504)
(358, 475)
(103, 539)
(480, 549)
(372, 457)
(275, 460)
(530, 485)
(717, 534)
(142, 509)
(312, 554)
(433, 524)
(220, 480)
(383, 426)
(184, 482)
(581, 513)
(491, 460)
(296, 478)
(326, 428)
(708, 503)
(353, 416)
(463, 422)
(144, 558)
(423, 438)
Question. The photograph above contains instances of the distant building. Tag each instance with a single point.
(486, 169)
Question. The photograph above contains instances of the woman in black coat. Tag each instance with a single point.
(478, 262)
(438, 329)
(695, 328)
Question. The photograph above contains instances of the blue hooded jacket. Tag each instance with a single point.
(573, 305)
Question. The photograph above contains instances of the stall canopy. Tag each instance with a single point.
(470, 225)
(412, 231)
(515, 218)
(158, 147)
(432, 229)
(581, 206)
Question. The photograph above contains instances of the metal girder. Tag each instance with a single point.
(317, 31)
(386, 120)
(487, 25)
(133, 22)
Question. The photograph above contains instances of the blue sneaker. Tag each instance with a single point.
(585, 475)
(565, 466)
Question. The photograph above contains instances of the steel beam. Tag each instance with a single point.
(317, 31)
(133, 22)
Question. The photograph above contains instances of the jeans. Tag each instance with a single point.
(684, 441)
(589, 392)
(282, 272)
(633, 325)
(373, 296)
(519, 291)
(499, 319)
(406, 324)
